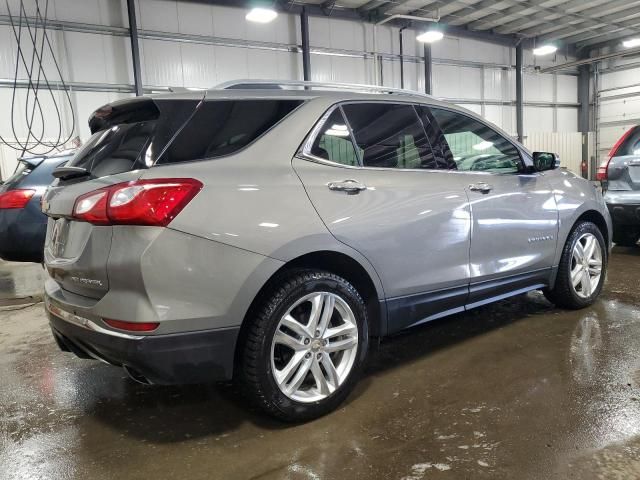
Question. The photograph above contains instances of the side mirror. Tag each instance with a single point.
(545, 161)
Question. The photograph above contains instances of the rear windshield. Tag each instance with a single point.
(630, 145)
(183, 131)
(223, 127)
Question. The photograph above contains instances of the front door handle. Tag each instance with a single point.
(480, 187)
(349, 186)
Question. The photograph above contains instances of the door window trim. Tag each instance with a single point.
(305, 151)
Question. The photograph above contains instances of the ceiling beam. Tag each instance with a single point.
(481, 9)
(460, 31)
(390, 6)
(557, 13)
(515, 11)
(546, 34)
(608, 39)
(520, 21)
(370, 5)
(587, 61)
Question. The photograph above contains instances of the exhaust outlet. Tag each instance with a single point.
(136, 376)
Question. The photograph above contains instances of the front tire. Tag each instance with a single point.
(303, 352)
(582, 269)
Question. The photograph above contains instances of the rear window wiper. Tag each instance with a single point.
(66, 173)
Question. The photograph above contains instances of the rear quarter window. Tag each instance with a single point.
(223, 127)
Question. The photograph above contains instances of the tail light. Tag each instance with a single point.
(15, 198)
(142, 202)
(132, 326)
(603, 170)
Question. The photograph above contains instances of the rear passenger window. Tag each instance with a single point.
(390, 135)
(334, 143)
(476, 146)
(222, 127)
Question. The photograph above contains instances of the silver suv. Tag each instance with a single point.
(620, 176)
(266, 235)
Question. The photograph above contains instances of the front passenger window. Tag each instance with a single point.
(476, 146)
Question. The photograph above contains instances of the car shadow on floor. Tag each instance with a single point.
(166, 414)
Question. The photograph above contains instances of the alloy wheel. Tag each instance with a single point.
(314, 347)
(586, 265)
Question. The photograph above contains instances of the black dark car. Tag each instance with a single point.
(22, 224)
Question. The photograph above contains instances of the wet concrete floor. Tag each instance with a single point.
(517, 390)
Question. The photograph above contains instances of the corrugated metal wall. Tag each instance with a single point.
(566, 144)
(475, 74)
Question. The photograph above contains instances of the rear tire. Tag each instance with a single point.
(572, 289)
(303, 352)
(625, 237)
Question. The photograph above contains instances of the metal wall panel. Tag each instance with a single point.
(568, 145)
(502, 115)
(538, 87)
(457, 82)
(567, 120)
(538, 119)
(198, 65)
(466, 49)
(567, 88)
(162, 63)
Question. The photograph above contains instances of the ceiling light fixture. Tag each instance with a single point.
(545, 50)
(430, 36)
(261, 15)
(632, 42)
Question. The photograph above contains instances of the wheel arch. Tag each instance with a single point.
(596, 218)
(590, 215)
(339, 263)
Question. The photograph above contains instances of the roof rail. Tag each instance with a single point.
(279, 84)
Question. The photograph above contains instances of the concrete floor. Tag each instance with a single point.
(517, 390)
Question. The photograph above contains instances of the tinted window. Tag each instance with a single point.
(390, 136)
(223, 127)
(116, 149)
(442, 152)
(334, 143)
(475, 146)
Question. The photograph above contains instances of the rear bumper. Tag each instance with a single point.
(624, 214)
(178, 358)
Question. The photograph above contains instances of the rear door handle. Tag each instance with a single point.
(349, 186)
(480, 187)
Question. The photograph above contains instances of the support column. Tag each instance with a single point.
(519, 93)
(401, 60)
(306, 56)
(584, 115)
(428, 85)
(135, 49)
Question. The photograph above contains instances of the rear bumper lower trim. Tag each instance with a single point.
(86, 323)
(179, 358)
